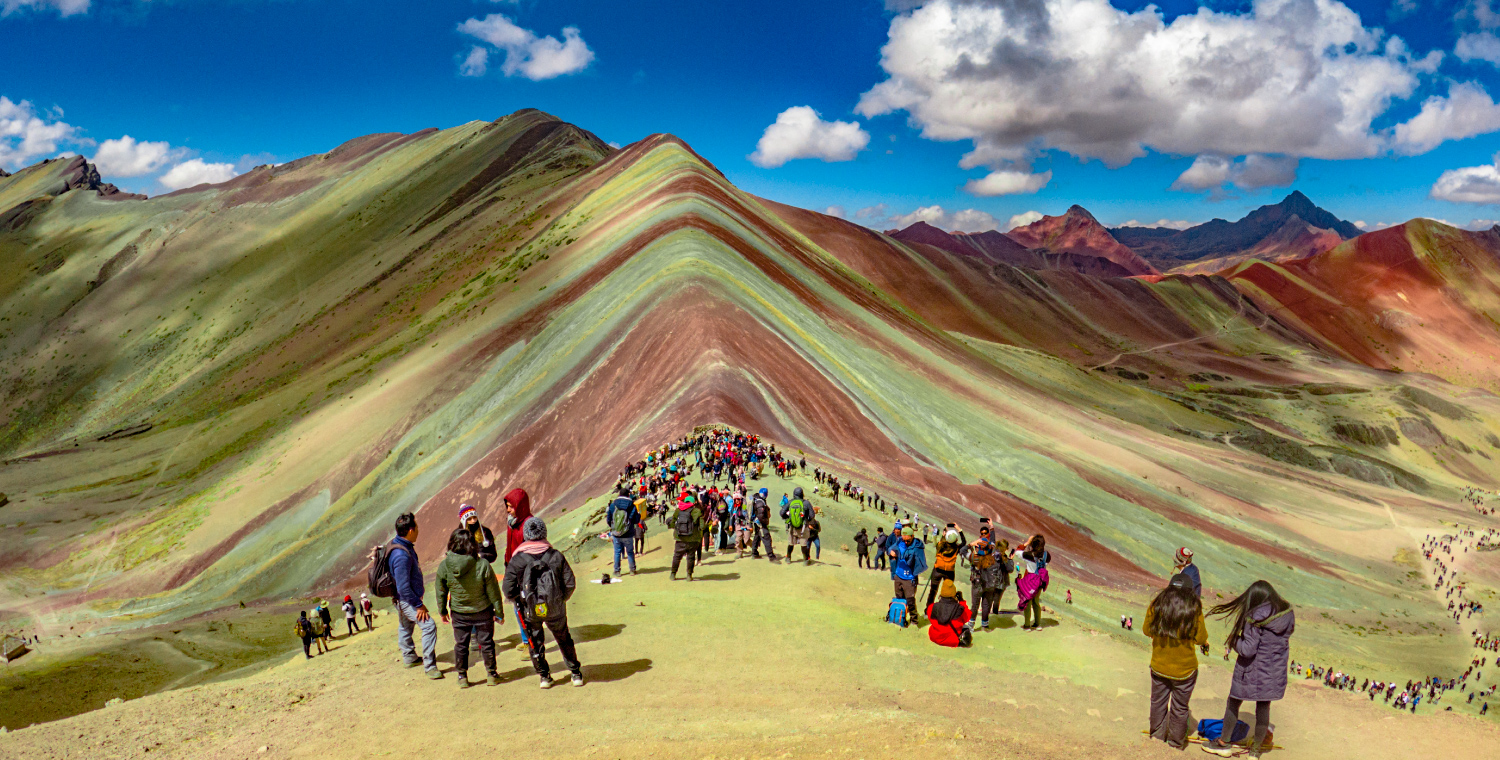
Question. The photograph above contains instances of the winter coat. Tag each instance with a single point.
(996, 575)
(910, 559)
(946, 634)
(862, 541)
(1260, 670)
(540, 552)
(631, 516)
(489, 551)
(697, 518)
(406, 570)
(470, 581)
(513, 537)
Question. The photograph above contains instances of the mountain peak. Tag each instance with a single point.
(1078, 232)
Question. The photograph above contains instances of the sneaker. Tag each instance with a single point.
(546, 682)
(409, 664)
(690, 579)
(673, 576)
(577, 679)
(435, 674)
(494, 679)
(463, 682)
(1214, 747)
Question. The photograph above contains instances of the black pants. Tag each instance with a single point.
(481, 626)
(762, 536)
(934, 582)
(307, 642)
(1232, 717)
(864, 561)
(353, 627)
(369, 622)
(559, 629)
(687, 549)
(640, 541)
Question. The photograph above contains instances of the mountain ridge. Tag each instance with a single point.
(1219, 238)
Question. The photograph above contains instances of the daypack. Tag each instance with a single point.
(795, 513)
(621, 524)
(683, 525)
(541, 589)
(1214, 728)
(317, 626)
(382, 582)
(896, 615)
(301, 628)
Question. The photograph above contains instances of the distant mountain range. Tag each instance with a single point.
(1293, 229)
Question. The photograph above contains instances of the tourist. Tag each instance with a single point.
(950, 544)
(862, 550)
(1185, 566)
(1174, 621)
(517, 512)
(1260, 634)
(1029, 587)
(908, 560)
(687, 530)
(989, 572)
(948, 618)
(368, 608)
(411, 612)
(468, 518)
(304, 630)
(541, 581)
(622, 519)
(349, 615)
(795, 512)
(468, 596)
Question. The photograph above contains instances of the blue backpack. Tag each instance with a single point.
(896, 615)
(1213, 729)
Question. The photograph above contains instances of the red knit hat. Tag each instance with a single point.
(1184, 555)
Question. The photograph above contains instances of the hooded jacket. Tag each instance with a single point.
(697, 518)
(534, 552)
(470, 581)
(946, 633)
(910, 560)
(1260, 670)
(631, 516)
(516, 498)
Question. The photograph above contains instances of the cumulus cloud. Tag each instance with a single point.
(195, 172)
(1469, 184)
(1022, 219)
(1171, 224)
(26, 136)
(965, 220)
(1008, 182)
(526, 54)
(837, 211)
(63, 7)
(1466, 111)
(1287, 78)
(476, 63)
(127, 157)
(1478, 46)
(1251, 172)
(799, 132)
(877, 211)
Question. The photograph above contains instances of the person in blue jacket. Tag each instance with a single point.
(406, 570)
(908, 561)
(624, 540)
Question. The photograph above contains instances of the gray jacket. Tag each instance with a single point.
(1260, 671)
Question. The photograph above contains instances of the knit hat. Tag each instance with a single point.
(1184, 555)
(534, 530)
(947, 589)
(463, 513)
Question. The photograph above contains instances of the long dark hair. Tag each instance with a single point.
(1174, 613)
(462, 542)
(1258, 595)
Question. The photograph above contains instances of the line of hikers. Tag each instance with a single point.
(317, 630)
(537, 584)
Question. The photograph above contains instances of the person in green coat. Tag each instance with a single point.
(468, 589)
(687, 529)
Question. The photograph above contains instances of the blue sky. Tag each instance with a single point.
(234, 83)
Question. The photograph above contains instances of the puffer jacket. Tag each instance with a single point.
(1260, 670)
(471, 583)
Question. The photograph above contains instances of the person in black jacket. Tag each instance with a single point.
(483, 538)
(862, 547)
(534, 568)
(760, 526)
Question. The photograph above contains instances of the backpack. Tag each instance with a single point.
(541, 589)
(621, 524)
(683, 525)
(795, 512)
(317, 626)
(896, 615)
(301, 628)
(382, 582)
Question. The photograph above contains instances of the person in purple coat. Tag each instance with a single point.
(1260, 634)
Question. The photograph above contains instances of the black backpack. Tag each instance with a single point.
(541, 589)
(683, 525)
(382, 582)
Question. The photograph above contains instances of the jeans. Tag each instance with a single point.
(818, 544)
(564, 638)
(1169, 708)
(480, 626)
(984, 601)
(407, 615)
(627, 546)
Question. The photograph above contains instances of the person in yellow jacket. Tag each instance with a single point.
(1174, 621)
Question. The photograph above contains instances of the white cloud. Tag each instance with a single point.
(126, 157)
(966, 220)
(1287, 78)
(1478, 46)
(1466, 111)
(195, 172)
(25, 136)
(1251, 172)
(1022, 219)
(526, 54)
(1171, 224)
(799, 132)
(1470, 184)
(1008, 182)
(877, 211)
(837, 211)
(63, 7)
(1477, 225)
(476, 63)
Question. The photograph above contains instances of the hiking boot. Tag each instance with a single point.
(463, 682)
(435, 674)
(577, 679)
(406, 663)
(546, 682)
(494, 679)
(673, 576)
(1215, 747)
(690, 579)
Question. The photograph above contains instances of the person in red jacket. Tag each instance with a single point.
(947, 617)
(517, 512)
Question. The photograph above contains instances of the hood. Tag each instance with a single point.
(1280, 624)
(685, 506)
(461, 563)
(517, 498)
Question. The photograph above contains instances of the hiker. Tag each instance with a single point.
(318, 631)
(1260, 635)
(468, 518)
(368, 608)
(948, 618)
(944, 560)
(1174, 621)
(468, 596)
(862, 549)
(687, 530)
(622, 518)
(517, 512)
(814, 530)
(908, 560)
(304, 630)
(640, 527)
(1185, 566)
(348, 606)
(1029, 587)
(881, 545)
(326, 616)
(411, 612)
(541, 581)
(795, 513)
(989, 572)
(760, 524)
